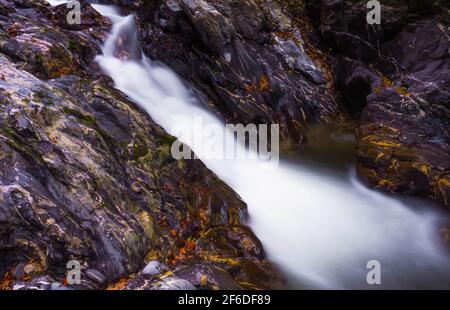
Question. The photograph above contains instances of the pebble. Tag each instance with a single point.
(179, 284)
(95, 276)
(154, 268)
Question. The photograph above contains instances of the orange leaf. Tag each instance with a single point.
(190, 244)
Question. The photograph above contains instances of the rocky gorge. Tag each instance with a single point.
(87, 175)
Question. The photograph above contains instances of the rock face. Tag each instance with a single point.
(396, 77)
(86, 176)
(247, 59)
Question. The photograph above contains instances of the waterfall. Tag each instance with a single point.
(319, 229)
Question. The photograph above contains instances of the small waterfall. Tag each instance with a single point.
(320, 230)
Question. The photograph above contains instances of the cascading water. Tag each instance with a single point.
(57, 2)
(319, 229)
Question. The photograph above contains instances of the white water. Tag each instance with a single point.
(57, 2)
(321, 230)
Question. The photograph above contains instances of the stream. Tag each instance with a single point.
(317, 222)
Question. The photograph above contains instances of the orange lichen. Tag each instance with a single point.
(387, 83)
(264, 83)
(222, 260)
(425, 169)
(389, 185)
(379, 156)
(203, 280)
(385, 143)
(403, 91)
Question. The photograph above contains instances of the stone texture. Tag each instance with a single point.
(395, 78)
(86, 175)
(246, 59)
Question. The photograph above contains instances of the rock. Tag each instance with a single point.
(177, 284)
(59, 287)
(215, 31)
(394, 76)
(395, 153)
(85, 174)
(166, 281)
(95, 276)
(154, 268)
(298, 60)
(41, 283)
(258, 273)
(229, 243)
(32, 269)
(207, 277)
(247, 61)
(356, 82)
(19, 271)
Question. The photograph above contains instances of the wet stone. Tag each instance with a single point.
(95, 276)
(154, 268)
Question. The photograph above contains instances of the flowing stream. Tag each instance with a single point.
(320, 228)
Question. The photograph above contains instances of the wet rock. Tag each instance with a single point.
(19, 271)
(154, 268)
(59, 287)
(39, 284)
(32, 269)
(298, 60)
(258, 273)
(95, 276)
(89, 17)
(85, 175)
(356, 83)
(247, 61)
(229, 243)
(215, 31)
(166, 281)
(46, 49)
(176, 284)
(207, 277)
(394, 76)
